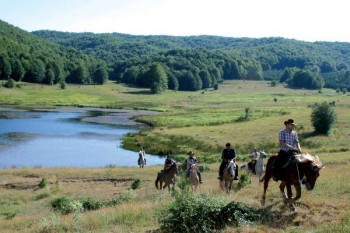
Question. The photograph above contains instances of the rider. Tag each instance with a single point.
(168, 162)
(227, 154)
(189, 161)
(255, 155)
(289, 142)
(141, 155)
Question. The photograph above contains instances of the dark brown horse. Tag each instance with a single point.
(167, 177)
(304, 169)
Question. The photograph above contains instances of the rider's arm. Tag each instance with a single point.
(282, 143)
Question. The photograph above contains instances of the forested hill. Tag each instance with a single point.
(169, 62)
(274, 53)
(298, 63)
(27, 57)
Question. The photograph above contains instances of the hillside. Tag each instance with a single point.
(27, 57)
(328, 61)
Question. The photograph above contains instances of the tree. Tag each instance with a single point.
(18, 70)
(50, 77)
(158, 79)
(5, 67)
(100, 75)
(173, 83)
(323, 118)
(206, 78)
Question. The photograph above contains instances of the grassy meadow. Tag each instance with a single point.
(246, 113)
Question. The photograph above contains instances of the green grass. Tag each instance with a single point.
(198, 121)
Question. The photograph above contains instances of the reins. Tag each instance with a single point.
(300, 182)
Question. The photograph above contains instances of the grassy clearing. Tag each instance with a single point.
(200, 121)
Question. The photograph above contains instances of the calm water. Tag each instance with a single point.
(62, 139)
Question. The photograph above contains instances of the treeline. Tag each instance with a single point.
(29, 58)
(317, 60)
(186, 63)
(187, 70)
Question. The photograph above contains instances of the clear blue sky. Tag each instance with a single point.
(308, 20)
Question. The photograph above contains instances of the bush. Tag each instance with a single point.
(67, 205)
(323, 118)
(92, 204)
(43, 183)
(9, 83)
(190, 213)
(243, 180)
(136, 184)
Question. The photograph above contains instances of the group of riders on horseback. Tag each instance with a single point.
(289, 145)
(289, 166)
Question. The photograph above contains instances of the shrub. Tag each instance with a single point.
(43, 183)
(136, 184)
(66, 205)
(9, 83)
(243, 180)
(123, 198)
(323, 118)
(189, 213)
(92, 204)
(207, 214)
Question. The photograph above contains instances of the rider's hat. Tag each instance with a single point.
(291, 122)
(190, 153)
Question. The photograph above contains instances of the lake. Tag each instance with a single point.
(68, 137)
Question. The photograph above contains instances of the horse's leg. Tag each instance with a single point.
(283, 194)
(297, 187)
(230, 186)
(266, 185)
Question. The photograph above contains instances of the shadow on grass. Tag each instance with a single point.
(140, 92)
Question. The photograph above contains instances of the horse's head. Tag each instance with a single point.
(263, 154)
(312, 171)
(231, 167)
(194, 167)
(174, 167)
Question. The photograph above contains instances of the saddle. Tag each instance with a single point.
(283, 167)
(251, 166)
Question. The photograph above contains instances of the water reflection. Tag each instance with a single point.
(55, 139)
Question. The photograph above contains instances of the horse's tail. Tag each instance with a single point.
(157, 181)
(268, 171)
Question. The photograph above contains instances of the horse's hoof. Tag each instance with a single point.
(262, 202)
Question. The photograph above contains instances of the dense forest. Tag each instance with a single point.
(170, 62)
(27, 57)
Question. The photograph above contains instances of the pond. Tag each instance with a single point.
(68, 137)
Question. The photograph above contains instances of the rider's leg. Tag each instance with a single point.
(188, 173)
(199, 176)
(221, 169)
(236, 172)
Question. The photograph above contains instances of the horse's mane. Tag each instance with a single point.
(305, 158)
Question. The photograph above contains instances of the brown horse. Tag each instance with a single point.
(167, 177)
(227, 178)
(304, 169)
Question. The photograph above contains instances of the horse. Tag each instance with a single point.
(193, 178)
(228, 175)
(259, 166)
(167, 177)
(141, 161)
(303, 170)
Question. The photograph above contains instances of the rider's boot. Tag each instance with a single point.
(236, 174)
(200, 177)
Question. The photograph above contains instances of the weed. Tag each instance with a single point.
(43, 183)
(136, 184)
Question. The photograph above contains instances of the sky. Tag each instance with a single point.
(306, 20)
